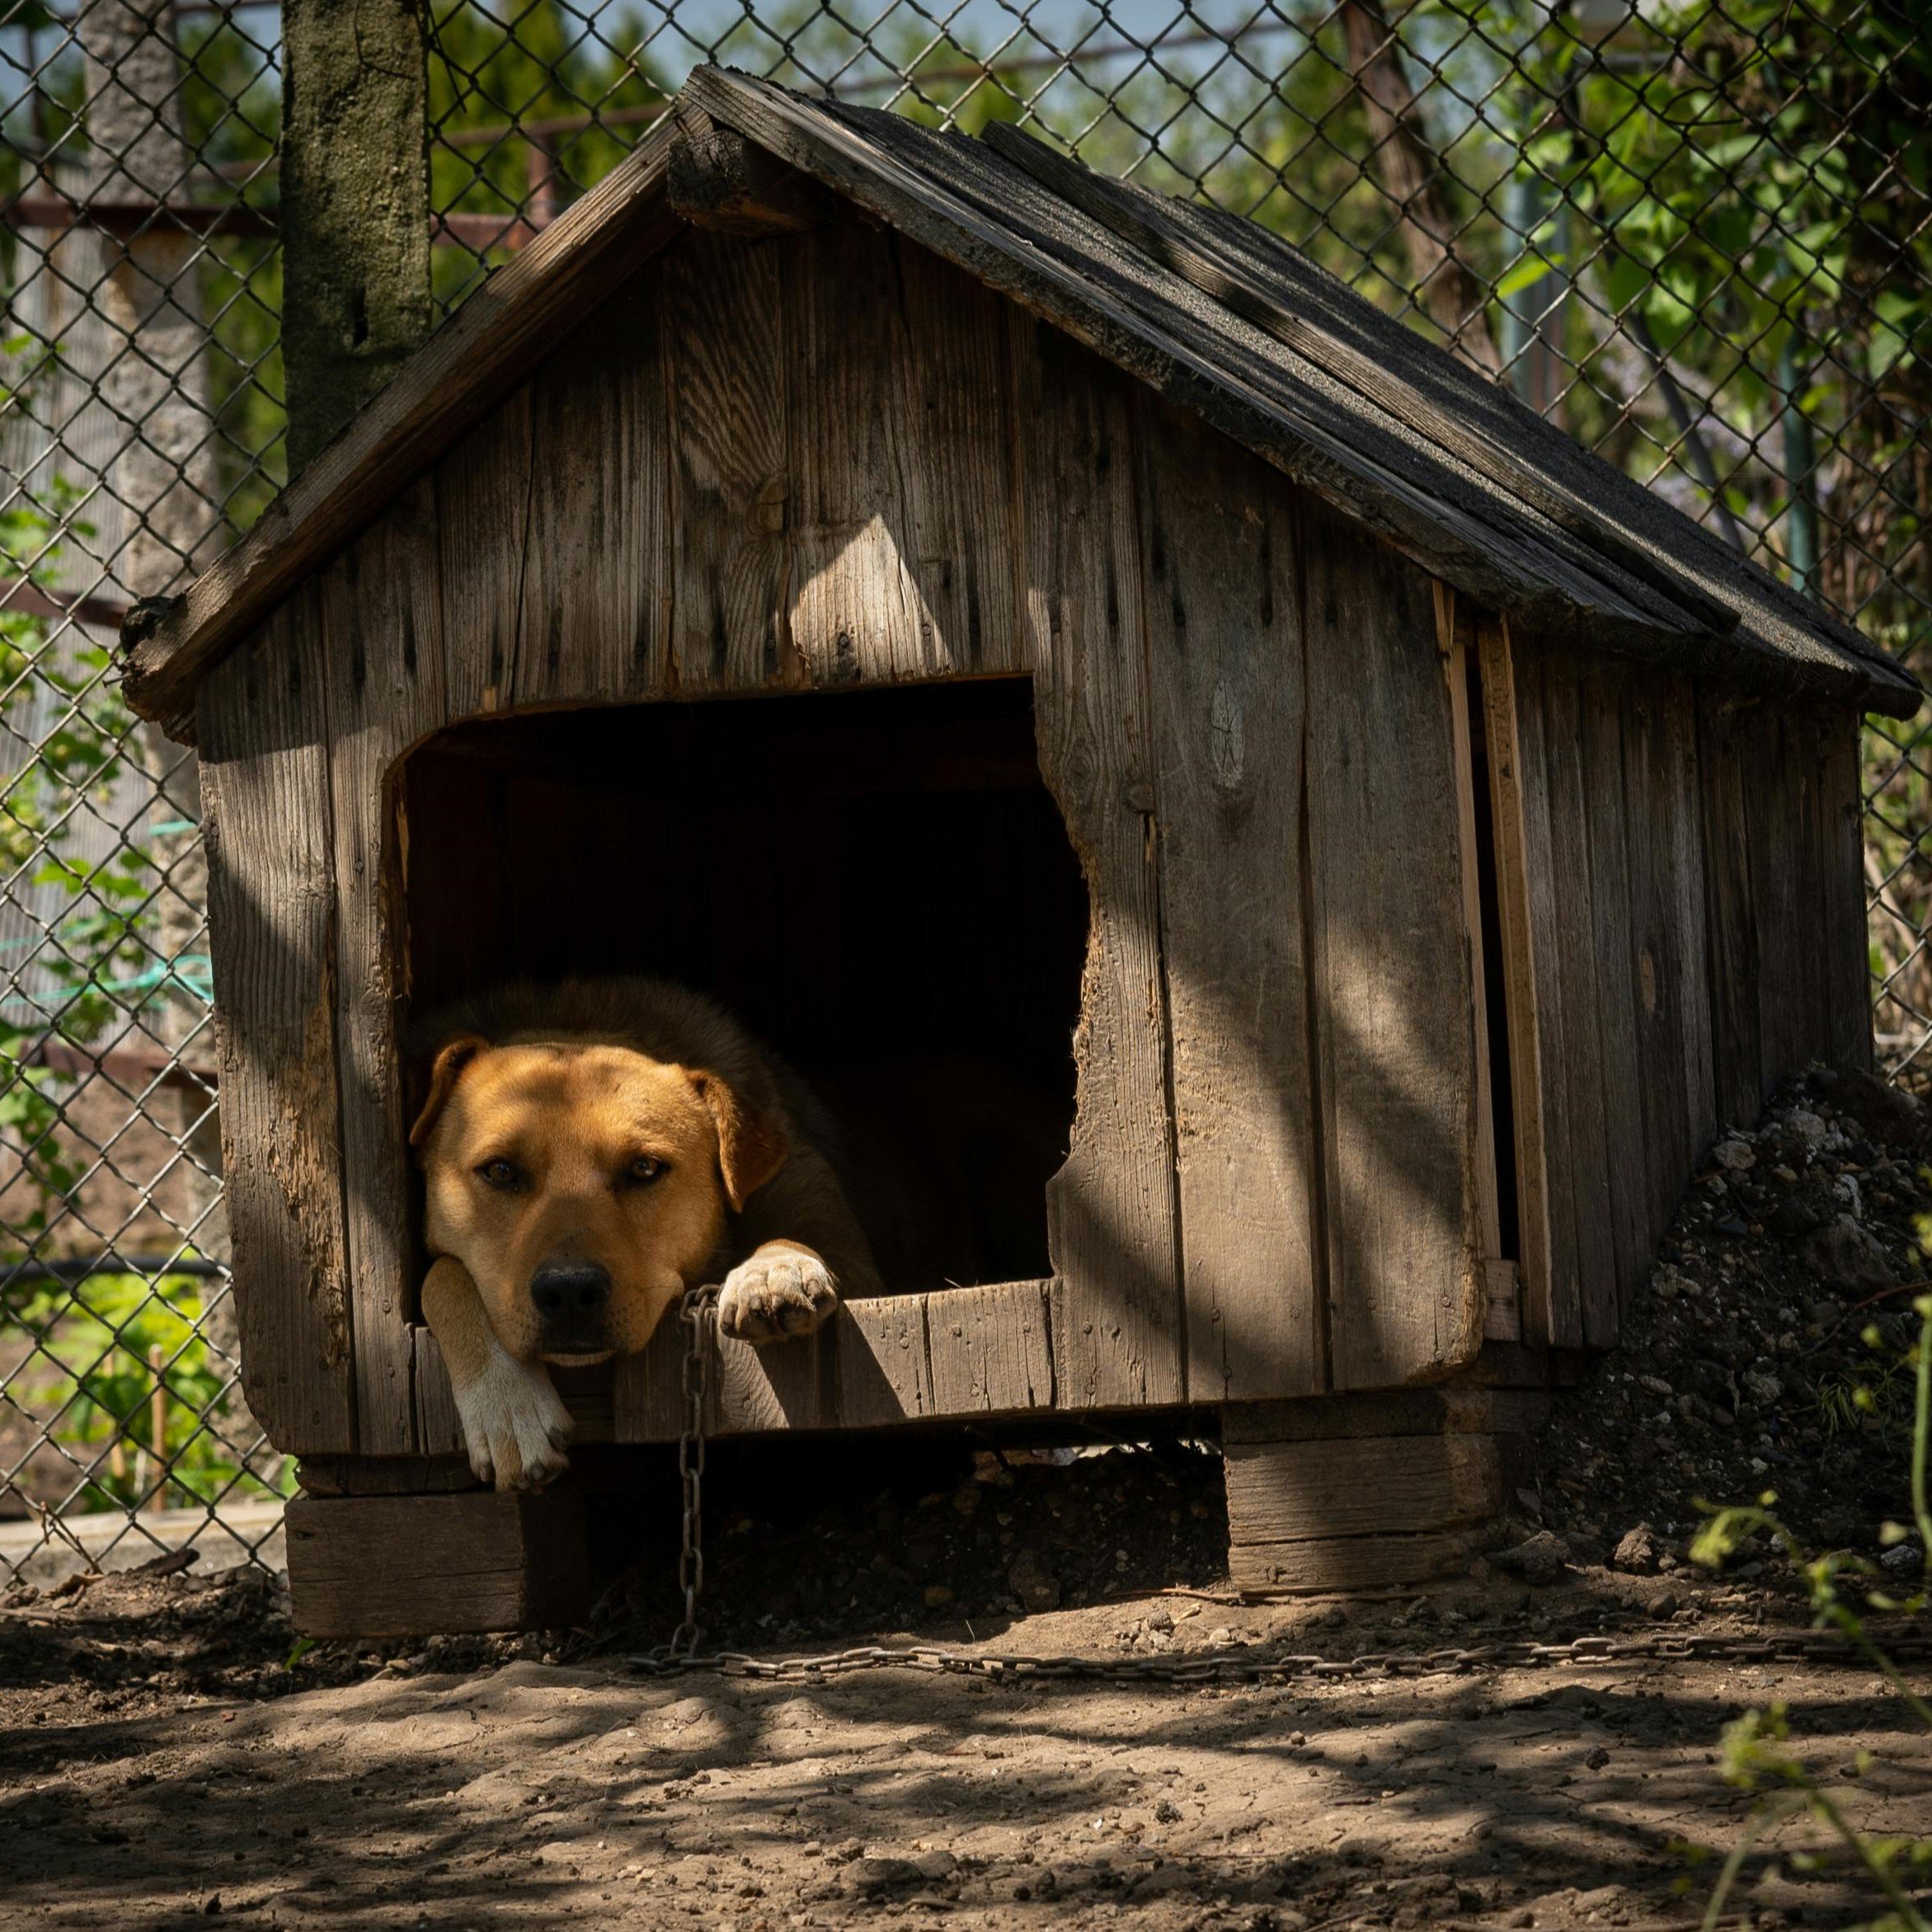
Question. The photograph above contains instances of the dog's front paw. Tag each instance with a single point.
(515, 1425)
(779, 1290)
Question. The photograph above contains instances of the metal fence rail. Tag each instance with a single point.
(1698, 236)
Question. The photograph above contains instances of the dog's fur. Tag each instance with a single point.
(625, 1139)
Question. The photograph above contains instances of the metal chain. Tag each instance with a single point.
(695, 1312)
(1910, 1645)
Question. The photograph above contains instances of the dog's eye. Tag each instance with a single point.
(499, 1173)
(645, 1168)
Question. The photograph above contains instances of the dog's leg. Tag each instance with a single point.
(808, 1250)
(514, 1425)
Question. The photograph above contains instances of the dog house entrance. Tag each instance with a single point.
(878, 883)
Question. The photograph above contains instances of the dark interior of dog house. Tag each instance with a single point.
(871, 880)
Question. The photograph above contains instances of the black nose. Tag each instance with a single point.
(572, 1295)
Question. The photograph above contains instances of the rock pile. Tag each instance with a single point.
(1784, 1290)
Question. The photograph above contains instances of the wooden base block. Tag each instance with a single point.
(1356, 1509)
(425, 1565)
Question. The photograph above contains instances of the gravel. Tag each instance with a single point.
(1784, 1288)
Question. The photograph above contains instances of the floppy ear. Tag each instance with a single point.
(751, 1147)
(450, 1061)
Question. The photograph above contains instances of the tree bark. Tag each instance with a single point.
(1410, 175)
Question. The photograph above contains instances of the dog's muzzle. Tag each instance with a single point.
(572, 1300)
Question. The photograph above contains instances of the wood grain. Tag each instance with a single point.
(954, 1354)
(1847, 988)
(1111, 1207)
(726, 319)
(592, 617)
(1618, 1063)
(1731, 910)
(264, 778)
(1553, 1306)
(419, 1566)
(1389, 969)
(1576, 959)
(1508, 816)
(1225, 674)
(1287, 1491)
(383, 618)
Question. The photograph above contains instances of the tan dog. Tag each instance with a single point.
(589, 1153)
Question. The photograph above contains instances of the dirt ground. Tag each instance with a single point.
(159, 1764)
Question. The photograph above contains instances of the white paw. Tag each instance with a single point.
(514, 1425)
(780, 1291)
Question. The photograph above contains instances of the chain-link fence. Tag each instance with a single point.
(1698, 236)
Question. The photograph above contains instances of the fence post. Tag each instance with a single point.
(355, 206)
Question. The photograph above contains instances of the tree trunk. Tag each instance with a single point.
(1410, 175)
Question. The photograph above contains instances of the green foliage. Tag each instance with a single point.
(1761, 1755)
(92, 1372)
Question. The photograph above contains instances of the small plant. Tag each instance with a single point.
(1760, 1754)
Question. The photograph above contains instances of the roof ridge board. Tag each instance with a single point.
(1297, 398)
(1231, 283)
(1461, 383)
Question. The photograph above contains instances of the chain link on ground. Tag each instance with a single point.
(1909, 1645)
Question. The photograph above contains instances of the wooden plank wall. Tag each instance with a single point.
(1696, 927)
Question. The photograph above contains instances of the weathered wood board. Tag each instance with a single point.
(1225, 656)
(272, 912)
(1389, 969)
(407, 1566)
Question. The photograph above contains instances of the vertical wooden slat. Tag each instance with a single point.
(1617, 1062)
(383, 631)
(1224, 653)
(1503, 756)
(593, 618)
(1786, 921)
(1551, 1311)
(1115, 1304)
(1731, 921)
(1575, 956)
(1848, 986)
(264, 778)
(1456, 642)
(727, 306)
(1689, 915)
(482, 498)
(1388, 968)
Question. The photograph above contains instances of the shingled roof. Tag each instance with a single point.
(1214, 312)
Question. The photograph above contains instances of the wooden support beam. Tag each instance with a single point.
(418, 1566)
(1364, 1492)
(717, 179)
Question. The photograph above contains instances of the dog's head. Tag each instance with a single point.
(583, 1185)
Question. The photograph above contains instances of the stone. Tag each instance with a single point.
(1596, 1757)
(932, 1866)
(1636, 1552)
(1847, 1256)
(1541, 1559)
(1734, 1154)
(871, 1876)
(1903, 1560)
(1037, 1587)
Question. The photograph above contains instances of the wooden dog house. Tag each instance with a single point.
(934, 595)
